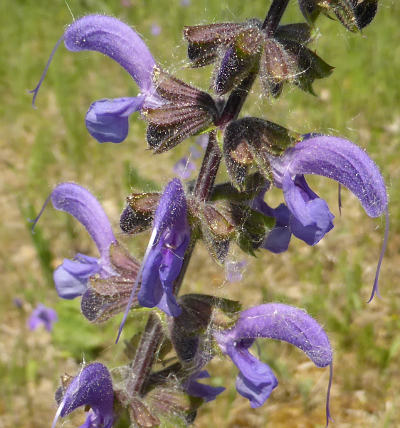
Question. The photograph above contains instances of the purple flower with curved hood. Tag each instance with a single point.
(167, 246)
(91, 387)
(274, 321)
(163, 260)
(335, 158)
(107, 120)
(71, 276)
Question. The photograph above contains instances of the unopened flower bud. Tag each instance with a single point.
(138, 215)
(251, 141)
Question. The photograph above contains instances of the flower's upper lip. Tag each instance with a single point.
(115, 39)
(340, 160)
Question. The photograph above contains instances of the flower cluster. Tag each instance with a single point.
(258, 155)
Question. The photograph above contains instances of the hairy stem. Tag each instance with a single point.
(236, 99)
(274, 16)
(145, 355)
(209, 168)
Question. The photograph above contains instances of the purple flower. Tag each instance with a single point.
(335, 158)
(164, 256)
(107, 119)
(184, 168)
(18, 302)
(196, 389)
(71, 276)
(155, 30)
(91, 387)
(274, 321)
(185, 3)
(42, 315)
(163, 260)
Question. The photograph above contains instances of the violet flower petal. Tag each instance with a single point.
(311, 218)
(107, 120)
(71, 276)
(278, 239)
(274, 321)
(196, 389)
(171, 211)
(150, 296)
(115, 39)
(91, 387)
(81, 204)
(255, 380)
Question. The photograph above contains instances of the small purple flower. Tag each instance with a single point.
(185, 3)
(42, 315)
(274, 321)
(336, 158)
(155, 30)
(184, 168)
(196, 389)
(202, 141)
(163, 260)
(18, 302)
(71, 276)
(107, 119)
(91, 387)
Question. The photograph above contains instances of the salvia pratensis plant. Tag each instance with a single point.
(258, 155)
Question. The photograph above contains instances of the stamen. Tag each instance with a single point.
(328, 394)
(375, 289)
(36, 90)
(340, 198)
(135, 285)
(40, 213)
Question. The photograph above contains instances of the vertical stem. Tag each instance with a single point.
(153, 335)
(145, 355)
(209, 168)
(274, 16)
(236, 99)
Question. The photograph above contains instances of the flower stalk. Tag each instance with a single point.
(274, 16)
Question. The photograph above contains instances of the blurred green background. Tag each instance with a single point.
(332, 281)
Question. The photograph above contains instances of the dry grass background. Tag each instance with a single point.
(40, 148)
